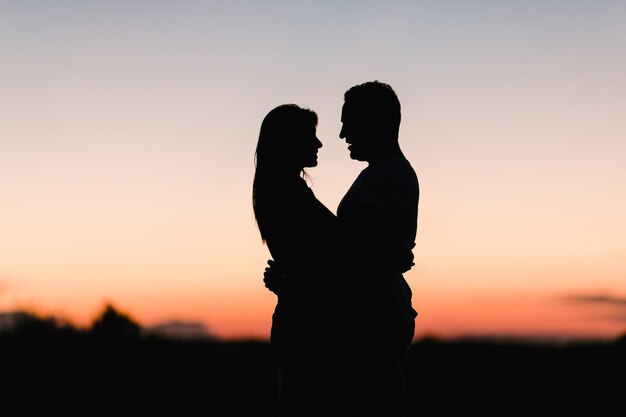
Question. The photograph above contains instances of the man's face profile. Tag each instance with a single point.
(355, 131)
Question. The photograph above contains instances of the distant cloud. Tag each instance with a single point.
(602, 299)
(181, 329)
(616, 305)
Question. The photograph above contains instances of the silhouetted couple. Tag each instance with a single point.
(344, 313)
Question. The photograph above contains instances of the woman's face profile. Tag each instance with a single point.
(308, 145)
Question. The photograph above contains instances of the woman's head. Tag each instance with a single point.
(287, 144)
(287, 140)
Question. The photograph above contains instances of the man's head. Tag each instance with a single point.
(370, 120)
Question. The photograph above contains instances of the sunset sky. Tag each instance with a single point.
(127, 134)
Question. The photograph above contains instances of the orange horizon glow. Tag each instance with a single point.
(248, 316)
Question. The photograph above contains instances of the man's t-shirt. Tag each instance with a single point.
(388, 187)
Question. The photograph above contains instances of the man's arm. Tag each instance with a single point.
(364, 236)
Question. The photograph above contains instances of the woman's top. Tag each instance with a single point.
(302, 237)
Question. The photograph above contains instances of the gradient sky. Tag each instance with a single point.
(127, 134)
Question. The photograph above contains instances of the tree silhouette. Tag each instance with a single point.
(114, 325)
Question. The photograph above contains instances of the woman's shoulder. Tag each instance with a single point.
(288, 195)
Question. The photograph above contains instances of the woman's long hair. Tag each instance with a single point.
(279, 142)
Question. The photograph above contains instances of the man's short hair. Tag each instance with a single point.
(377, 102)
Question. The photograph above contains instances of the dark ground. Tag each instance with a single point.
(51, 370)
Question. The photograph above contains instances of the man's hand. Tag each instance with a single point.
(273, 277)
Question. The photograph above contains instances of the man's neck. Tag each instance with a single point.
(385, 153)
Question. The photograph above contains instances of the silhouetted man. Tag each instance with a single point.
(367, 314)
(380, 210)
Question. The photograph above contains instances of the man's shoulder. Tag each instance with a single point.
(400, 170)
(406, 168)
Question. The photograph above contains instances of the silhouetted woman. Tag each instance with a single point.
(300, 233)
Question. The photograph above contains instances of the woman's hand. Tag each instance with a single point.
(402, 260)
(273, 277)
(406, 260)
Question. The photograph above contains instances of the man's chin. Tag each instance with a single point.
(356, 156)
